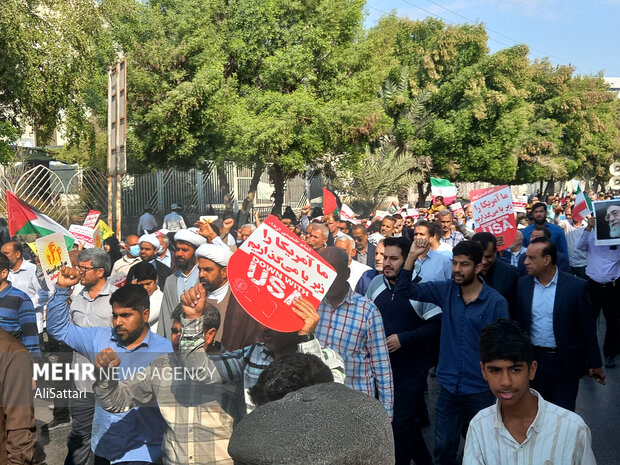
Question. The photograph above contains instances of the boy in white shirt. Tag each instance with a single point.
(521, 428)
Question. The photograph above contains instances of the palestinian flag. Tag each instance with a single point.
(392, 208)
(582, 207)
(331, 202)
(25, 219)
(444, 188)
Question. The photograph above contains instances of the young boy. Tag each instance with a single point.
(521, 427)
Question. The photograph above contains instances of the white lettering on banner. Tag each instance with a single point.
(494, 213)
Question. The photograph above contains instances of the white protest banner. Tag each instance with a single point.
(53, 255)
(494, 213)
(456, 208)
(91, 219)
(414, 213)
(273, 267)
(520, 203)
(83, 234)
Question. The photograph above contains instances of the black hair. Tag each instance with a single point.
(131, 296)
(316, 212)
(434, 229)
(211, 318)
(143, 271)
(425, 224)
(545, 231)
(538, 205)
(177, 313)
(549, 249)
(375, 226)
(470, 249)
(5, 264)
(397, 216)
(402, 243)
(355, 227)
(391, 218)
(504, 340)
(115, 248)
(17, 247)
(484, 239)
(287, 374)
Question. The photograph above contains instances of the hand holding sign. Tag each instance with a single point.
(194, 302)
(304, 310)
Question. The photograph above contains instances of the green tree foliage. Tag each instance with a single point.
(50, 52)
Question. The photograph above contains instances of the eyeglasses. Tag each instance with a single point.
(84, 269)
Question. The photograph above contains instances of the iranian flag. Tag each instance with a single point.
(444, 188)
(25, 219)
(582, 207)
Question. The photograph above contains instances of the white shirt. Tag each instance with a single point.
(556, 436)
(155, 306)
(375, 238)
(25, 279)
(123, 264)
(445, 249)
(219, 294)
(357, 270)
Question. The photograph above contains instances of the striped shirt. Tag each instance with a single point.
(555, 436)
(17, 316)
(354, 329)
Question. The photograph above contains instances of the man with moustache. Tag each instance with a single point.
(186, 276)
(365, 252)
(539, 213)
(149, 248)
(468, 305)
(317, 235)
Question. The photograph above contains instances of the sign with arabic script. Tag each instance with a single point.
(53, 255)
(272, 268)
(494, 213)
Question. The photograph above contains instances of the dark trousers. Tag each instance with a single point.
(408, 440)
(579, 271)
(607, 298)
(553, 381)
(453, 412)
(57, 352)
(104, 461)
(78, 442)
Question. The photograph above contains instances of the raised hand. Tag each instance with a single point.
(68, 277)
(205, 230)
(107, 358)
(194, 301)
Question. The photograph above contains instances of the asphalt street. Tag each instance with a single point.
(598, 405)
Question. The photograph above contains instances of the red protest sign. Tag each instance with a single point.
(91, 219)
(494, 213)
(273, 267)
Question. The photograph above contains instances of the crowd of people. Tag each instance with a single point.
(507, 334)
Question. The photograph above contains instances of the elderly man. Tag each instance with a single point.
(149, 248)
(122, 265)
(185, 277)
(238, 329)
(448, 236)
(613, 219)
(347, 244)
(244, 232)
(365, 252)
(317, 235)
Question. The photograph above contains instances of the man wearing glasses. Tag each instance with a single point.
(90, 307)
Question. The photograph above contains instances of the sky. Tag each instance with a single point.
(584, 34)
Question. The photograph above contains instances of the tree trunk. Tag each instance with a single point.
(245, 213)
(403, 196)
(278, 179)
(422, 193)
(225, 187)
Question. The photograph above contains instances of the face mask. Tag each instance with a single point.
(135, 250)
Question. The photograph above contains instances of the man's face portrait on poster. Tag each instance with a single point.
(607, 222)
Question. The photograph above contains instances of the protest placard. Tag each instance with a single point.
(106, 231)
(273, 267)
(414, 213)
(456, 208)
(494, 213)
(91, 219)
(520, 203)
(607, 213)
(83, 234)
(53, 255)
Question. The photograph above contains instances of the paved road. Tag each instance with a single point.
(598, 405)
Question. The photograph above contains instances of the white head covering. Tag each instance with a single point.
(215, 253)
(151, 239)
(190, 236)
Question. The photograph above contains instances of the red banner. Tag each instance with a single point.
(494, 213)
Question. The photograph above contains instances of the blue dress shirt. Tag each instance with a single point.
(135, 435)
(557, 236)
(543, 300)
(458, 370)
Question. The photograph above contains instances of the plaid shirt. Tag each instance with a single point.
(354, 329)
(455, 238)
(248, 363)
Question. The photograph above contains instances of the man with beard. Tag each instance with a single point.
(149, 248)
(613, 219)
(468, 305)
(238, 329)
(539, 213)
(130, 336)
(186, 276)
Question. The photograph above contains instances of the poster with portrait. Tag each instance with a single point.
(272, 268)
(607, 213)
(53, 255)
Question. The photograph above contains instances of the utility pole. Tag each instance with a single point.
(117, 139)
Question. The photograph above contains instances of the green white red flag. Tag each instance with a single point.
(582, 207)
(25, 219)
(444, 188)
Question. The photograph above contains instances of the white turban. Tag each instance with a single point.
(151, 239)
(190, 236)
(215, 253)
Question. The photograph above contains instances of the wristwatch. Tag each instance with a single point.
(305, 338)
